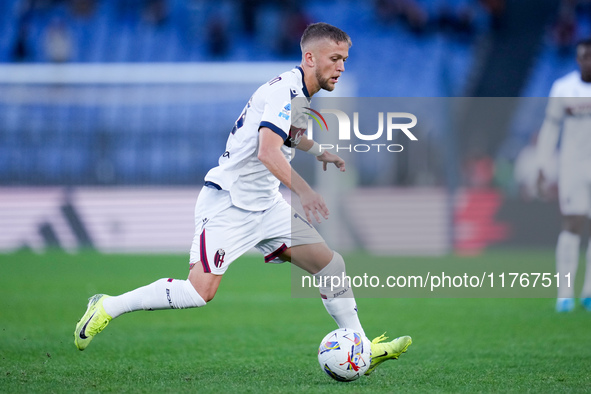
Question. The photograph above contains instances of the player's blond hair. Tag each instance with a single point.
(321, 30)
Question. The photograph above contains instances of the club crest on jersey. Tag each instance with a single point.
(296, 134)
(218, 260)
(285, 112)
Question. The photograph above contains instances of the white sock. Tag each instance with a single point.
(567, 259)
(587, 285)
(337, 295)
(162, 294)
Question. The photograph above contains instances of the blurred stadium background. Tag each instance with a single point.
(111, 112)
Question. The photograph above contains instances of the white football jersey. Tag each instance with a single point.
(251, 185)
(569, 106)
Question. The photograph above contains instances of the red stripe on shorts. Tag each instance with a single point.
(275, 254)
(204, 261)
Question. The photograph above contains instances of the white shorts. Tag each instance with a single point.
(224, 232)
(574, 191)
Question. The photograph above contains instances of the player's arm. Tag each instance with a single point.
(308, 145)
(547, 141)
(270, 155)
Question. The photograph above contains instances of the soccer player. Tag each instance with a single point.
(240, 206)
(569, 107)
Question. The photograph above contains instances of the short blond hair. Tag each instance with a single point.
(320, 30)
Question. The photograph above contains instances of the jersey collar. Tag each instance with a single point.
(304, 88)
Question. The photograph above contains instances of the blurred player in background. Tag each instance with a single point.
(241, 207)
(570, 108)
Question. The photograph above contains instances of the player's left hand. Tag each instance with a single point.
(327, 157)
(314, 205)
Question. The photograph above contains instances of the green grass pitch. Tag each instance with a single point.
(254, 337)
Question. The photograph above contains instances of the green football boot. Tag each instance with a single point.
(382, 351)
(94, 321)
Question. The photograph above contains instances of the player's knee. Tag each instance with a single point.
(206, 292)
(312, 257)
(204, 283)
(207, 297)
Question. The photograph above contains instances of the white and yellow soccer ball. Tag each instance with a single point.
(344, 354)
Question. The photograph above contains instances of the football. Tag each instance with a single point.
(344, 354)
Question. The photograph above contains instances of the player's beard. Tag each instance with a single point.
(324, 83)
